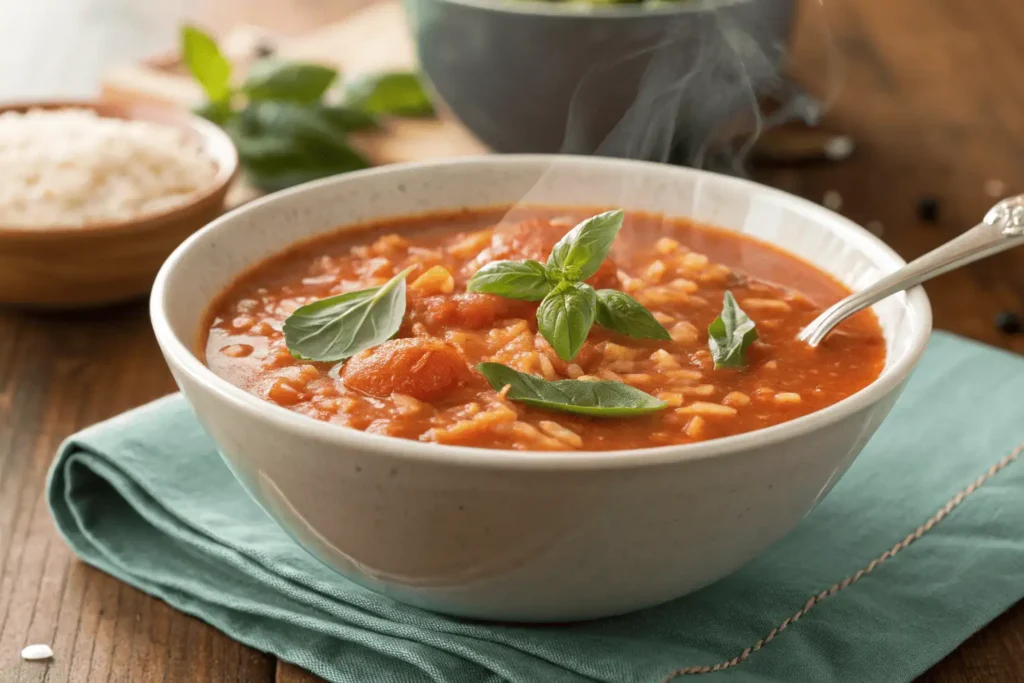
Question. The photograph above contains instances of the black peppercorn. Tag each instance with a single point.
(264, 50)
(928, 209)
(1009, 323)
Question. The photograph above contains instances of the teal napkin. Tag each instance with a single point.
(145, 497)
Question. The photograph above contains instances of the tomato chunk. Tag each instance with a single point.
(471, 310)
(426, 369)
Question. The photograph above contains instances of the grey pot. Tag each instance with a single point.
(617, 80)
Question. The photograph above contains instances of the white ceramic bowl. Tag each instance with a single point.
(529, 536)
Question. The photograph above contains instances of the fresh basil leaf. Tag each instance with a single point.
(206, 63)
(338, 327)
(596, 399)
(730, 335)
(348, 119)
(319, 124)
(281, 144)
(287, 119)
(398, 94)
(581, 251)
(276, 79)
(525, 280)
(272, 164)
(565, 317)
(622, 313)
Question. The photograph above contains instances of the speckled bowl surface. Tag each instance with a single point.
(530, 76)
(528, 536)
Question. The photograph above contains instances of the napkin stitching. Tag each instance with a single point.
(920, 531)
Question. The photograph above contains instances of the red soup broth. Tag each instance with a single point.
(423, 385)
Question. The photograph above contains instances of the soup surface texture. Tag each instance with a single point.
(423, 384)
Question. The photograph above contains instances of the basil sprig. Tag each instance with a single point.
(274, 79)
(338, 327)
(281, 119)
(730, 335)
(594, 399)
(397, 93)
(569, 306)
(282, 143)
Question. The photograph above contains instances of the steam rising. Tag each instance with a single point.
(690, 91)
(692, 94)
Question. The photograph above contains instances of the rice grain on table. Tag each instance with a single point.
(73, 168)
(36, 652)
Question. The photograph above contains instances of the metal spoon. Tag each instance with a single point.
(1001, 229)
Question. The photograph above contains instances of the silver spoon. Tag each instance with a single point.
(1001, 229)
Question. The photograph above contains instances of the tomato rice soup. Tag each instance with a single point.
(423, 383)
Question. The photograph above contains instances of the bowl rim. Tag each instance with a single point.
(182, 358)
(163, 114)
(588, 10)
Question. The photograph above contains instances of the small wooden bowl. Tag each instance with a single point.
(104, 263)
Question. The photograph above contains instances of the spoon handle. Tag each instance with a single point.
(1001, 229)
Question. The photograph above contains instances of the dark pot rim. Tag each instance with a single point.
(586, 10)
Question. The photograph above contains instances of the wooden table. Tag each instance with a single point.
(932, 95)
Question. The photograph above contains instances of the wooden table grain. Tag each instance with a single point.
(932, 94)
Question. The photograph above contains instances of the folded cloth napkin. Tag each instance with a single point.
(918, 546)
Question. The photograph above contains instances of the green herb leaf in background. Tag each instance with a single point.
(215, 112)
(581, 251)
(347, 119)
(595, 399)
(565, 317)
(339, 327)
(622, 313)
(281, 144)
(398, 94)
(526, 280)
(286, 134)
(730, 335)
(275, 79)
(206, 63)
(276, 118)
